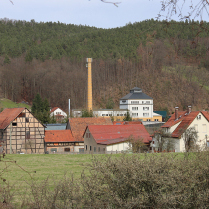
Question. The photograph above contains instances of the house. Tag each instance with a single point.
(139, 105)
(78, 125)
(181, 121)
(62, 141)
(58, 113)
(21, 132)
(100, 139)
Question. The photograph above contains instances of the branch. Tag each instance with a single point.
(115, 3)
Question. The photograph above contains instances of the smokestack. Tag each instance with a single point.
(69, 107)
(176, 113)
(89, 105)
(189, 109)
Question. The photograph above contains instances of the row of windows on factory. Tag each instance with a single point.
(144, 108)
(95, 149)
(144, 114)
(137, 102)
(111, 114)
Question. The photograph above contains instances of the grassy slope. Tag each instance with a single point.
(6, 103)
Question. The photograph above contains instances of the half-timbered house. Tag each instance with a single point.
(21, 132)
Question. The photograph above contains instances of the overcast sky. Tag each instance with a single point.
(84, 12)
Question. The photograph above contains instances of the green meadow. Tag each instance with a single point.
(20, 171)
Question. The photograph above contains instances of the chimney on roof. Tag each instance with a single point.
(189, 109)
(176, 113)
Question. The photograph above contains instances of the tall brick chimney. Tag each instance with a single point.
(176, 113)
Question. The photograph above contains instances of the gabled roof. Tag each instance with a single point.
(8, 115)
(184, 119)
(59, 136)
(78, 125)
(111, 134)
(53, 109)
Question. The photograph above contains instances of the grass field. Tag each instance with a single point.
(20, 170)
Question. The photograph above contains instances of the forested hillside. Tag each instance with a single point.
(168, 60)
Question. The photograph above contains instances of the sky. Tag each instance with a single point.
(81, 12)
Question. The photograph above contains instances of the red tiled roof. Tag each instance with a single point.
(185, 120)
(111, 134)
(78, 125)
(8, 115)
(53, 109)
(59, 136)
(172, 120)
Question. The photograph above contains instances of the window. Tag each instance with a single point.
(110, 114)
(14, 124)
(27, 135)
(147, 102)
(117, 114)
(148, 120)
(156, 120)
(106, 114)
(204, 128)
(134, 114)
(134, 102)
(103, 114)
(145, 114)
(53, 149)
(87, 135)
(145, 108)
(196, 127)
(86, 147)
(95, 149)
(90, 148)
(98, 149)
(199, 117)
(103, 149)
(67, 149)
(134, 108)
(124, 101)
(27, 120)
(121, 114)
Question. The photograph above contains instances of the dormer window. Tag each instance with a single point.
(124, 101)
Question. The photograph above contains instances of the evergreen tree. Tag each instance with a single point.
(128, 117)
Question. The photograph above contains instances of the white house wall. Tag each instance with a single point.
(201, 131)
(58, 111)
(128, 104)
(118, 147)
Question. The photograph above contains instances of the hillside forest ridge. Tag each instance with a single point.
(168, 60)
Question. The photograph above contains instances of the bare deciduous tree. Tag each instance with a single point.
(190, 138)
(184, 10)
(164, 141)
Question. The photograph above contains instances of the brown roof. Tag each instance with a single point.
(59, 136)
(185, 120)
(112, 134)
(8, 115)
(78, 125)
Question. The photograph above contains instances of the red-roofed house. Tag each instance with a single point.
(58, 113)
(78, 125)
(62, 141)
(112, 138)
(21, 132)
(182, 120)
